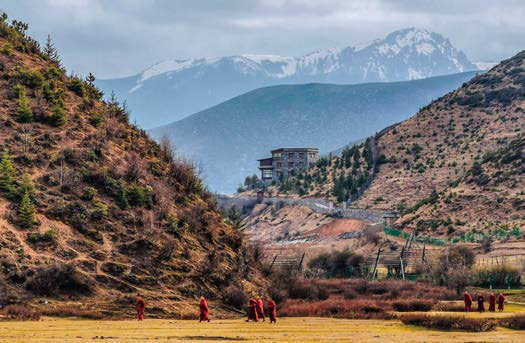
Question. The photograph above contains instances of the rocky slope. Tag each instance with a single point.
(173, 89)
(94, 211)
(455, 167)
(227, 139)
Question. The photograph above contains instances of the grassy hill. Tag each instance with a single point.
(92, 210)
(456, 167)
(227, 139)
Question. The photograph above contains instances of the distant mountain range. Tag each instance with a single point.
(173, 89)
(228, 138)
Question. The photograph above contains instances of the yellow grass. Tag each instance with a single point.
(287, 330)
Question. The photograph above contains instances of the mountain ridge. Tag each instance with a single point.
(228, 138)
(192, 85)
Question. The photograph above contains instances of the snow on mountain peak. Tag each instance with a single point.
(404, 46)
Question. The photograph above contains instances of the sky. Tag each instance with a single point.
(117, 38)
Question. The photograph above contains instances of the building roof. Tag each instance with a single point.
(295, 149)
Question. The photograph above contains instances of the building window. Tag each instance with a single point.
(277, 154)
(279, 165)
(301, 155)
(267, 174)
(290, 165)
(301, 165)
(290, 155)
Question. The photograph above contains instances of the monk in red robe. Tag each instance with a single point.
(260, 309)
(204, 310)
(501, 302)
(481, 303)
(272, 311)
(140, 307)
(252, 311)
(468, 301)
(492, 303)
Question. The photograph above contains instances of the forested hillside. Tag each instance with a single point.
(91, 208)
(455, 167)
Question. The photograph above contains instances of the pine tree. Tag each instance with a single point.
(52, 53)
(27, 187)
(90, 78)
(7, 173)
(26, 212)
(58, 116)
(24, 114)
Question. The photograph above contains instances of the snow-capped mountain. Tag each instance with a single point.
(174, 89)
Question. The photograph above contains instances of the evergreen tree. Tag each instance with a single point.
(7, 173)
(27, 187)
(26, 212)
(234, 218)
(58, 116)
(52, 53)
(24, 114)
(90, 78)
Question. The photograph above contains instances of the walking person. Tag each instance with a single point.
(481, 303)
(467, 298)
(140, 308)
(492, 303)
(260, 309)
(252, 311)
(501, 302)
(204, 310)
(272, 311)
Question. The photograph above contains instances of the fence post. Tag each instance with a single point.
(271, 266)
(375, 264)
(301, 263)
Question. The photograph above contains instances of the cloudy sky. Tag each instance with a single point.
(115, 38)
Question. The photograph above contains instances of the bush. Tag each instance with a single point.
(516, 322)
(337, 264)
(89, 193)
(47, 237)
(58, 116)
(30, 78)
(19, 312)
(70, 311)
(76, 86)
(446, 322)
(234, 296)
(450, 306)
(499, 275)
(413, 305)
(59, 277)
(24, 113)
(336, 307)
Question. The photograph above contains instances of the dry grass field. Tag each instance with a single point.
(287, 330)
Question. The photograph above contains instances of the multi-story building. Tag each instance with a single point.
(284, 160)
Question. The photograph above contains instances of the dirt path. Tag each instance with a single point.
(287, 330)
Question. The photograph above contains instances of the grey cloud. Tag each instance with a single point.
(122, 37)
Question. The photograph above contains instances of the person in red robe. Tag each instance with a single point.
(140, 307)
(204, 310)
(501, 302)
(468, 301)
(492, 303)
(260, 309)
(481, 303)
(272, 311)
(252, 311)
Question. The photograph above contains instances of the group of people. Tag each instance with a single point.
(255, 310)
(481, 302)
